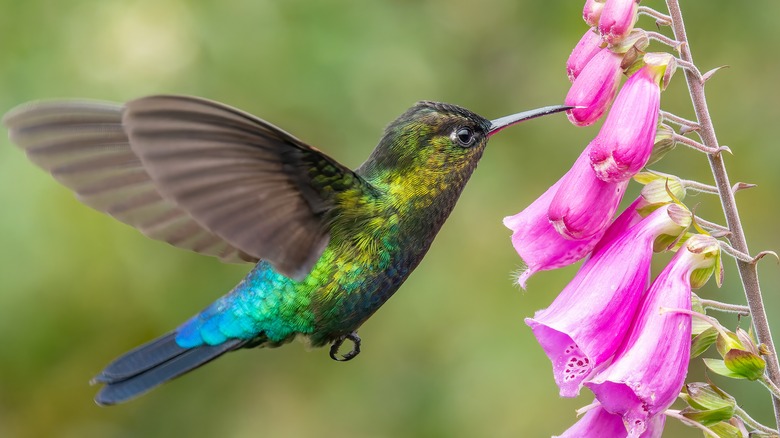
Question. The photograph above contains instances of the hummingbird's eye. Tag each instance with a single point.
(464, 136)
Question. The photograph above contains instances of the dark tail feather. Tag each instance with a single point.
(152, 364)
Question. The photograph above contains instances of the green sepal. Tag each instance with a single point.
(706, 396)
(710, 416)
(702, 341)
(718, 367)
(728, 343)
(658, 186)
(726, 430)
(749, 365)
(663, 144)
(711, 251)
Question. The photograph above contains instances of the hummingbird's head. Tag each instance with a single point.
(438, 142)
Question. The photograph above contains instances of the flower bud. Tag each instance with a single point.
(617, 19)
(583, 52)
(592, 11)
(625, 141)
(594, 88)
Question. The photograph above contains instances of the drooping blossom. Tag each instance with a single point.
(538, 243)
(592, 11)
(586, 323)
(594, 88)
(625, 141)
(648, 370)
(598, 423)
(536, 239)
(583, 52)
(617, 18)
(584, 205)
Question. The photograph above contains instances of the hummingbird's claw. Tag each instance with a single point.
(334, 349)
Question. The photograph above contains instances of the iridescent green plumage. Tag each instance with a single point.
(336, 243)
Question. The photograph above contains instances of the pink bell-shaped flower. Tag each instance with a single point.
(538, 243)
(648, 370)
(586, 323)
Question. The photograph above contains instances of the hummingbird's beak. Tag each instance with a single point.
(503, 122)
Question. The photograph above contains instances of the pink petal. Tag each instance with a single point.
(584, 205)
(583, 52)
(617, 19)
(595, 88)
(625, 141)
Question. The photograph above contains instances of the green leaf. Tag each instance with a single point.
(750, 366)
(702, 341)
(718, 367)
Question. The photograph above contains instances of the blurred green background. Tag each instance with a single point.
(449, 355)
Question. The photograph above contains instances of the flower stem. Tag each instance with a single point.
(747, 271)
(699, 187)
(711, 226)
(739, 412)
(726, 307)
(660, 18)
(693, 126)
(663, 39)
(693, 144)
(770, 386)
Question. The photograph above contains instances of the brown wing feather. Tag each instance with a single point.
(84, 146)
(245, 180)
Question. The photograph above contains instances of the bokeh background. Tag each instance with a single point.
(449, 355)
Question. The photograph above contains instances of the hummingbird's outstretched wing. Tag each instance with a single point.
(194, 173)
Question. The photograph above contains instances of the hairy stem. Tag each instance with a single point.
(726, 307)
(739, 412)
(747, 271)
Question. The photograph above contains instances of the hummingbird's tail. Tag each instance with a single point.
(153, 364)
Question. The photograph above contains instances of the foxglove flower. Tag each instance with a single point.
(583, 52)
(648, 371)
(617, 18)
(585, 325)
(625, 141)
(583, 205)
(595, 88)
(598, 423)
(592, 11)
(538, 243)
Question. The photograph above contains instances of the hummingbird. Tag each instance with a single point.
(330, 245)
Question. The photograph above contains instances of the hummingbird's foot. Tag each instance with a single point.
(334, 349)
